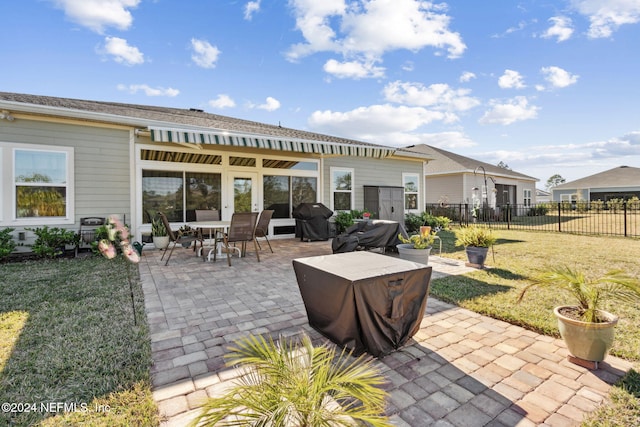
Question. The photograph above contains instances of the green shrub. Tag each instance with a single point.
(539, 210)
(344, 220)
(413, 222)
(51, 242)
(7, 245)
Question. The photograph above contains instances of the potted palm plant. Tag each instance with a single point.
(291, 384)
(417, 247)
(159, 233)
(477, 240)
(586, 328)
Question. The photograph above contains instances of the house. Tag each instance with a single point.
(542, 196)
(453, 179)
(66, 159)
(622, 182)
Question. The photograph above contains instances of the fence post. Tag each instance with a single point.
(508, 214)
(559, 216)
(624, 210)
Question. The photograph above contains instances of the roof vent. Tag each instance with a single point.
(197, 110)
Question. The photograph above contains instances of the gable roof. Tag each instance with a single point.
(446, 162)
(186, 123)
(622, 176)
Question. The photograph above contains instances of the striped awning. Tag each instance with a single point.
(186, 136)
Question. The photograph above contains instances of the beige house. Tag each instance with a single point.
(453, 179)
(65, 159)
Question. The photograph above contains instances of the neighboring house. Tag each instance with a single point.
(65, 159)
(542, 196)
(618, 183)
(451, 179)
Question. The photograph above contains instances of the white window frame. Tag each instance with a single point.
(526, 197)
(351, 171)
(417, 192)
(9, 195)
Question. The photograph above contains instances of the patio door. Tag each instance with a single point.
(244, 195)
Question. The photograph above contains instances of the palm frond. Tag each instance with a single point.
(289, 382)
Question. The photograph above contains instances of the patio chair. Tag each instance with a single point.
(262, 229)
(177, 238)
(241, 230)
(208, 215)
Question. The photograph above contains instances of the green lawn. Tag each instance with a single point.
(517, 258)
(67, 336)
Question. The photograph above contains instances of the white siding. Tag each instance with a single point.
(101, 162)
(368, 171)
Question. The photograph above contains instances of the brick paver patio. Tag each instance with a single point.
(460, 369)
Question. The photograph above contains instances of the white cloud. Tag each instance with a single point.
(446, 140)
(385, 124)
(222, 101)
(99, 14)
(561, 29)
(271, 104)
(250, 8)
(438, 96)
(511, 80)
(606, 16)
(148, 90)
(467, 76)
(204, 54)
(353, 69)
(372, 28)
(559, 77)
(514, 110)
(122, 52)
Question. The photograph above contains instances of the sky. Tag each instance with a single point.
(544, 86)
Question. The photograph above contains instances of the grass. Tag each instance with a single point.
(517, 258)
(67, 336)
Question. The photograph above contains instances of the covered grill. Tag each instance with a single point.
(312, 221)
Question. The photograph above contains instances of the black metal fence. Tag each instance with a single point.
(614, 218)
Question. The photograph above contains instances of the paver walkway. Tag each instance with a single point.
(460, 369)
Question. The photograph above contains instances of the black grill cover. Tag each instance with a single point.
(312, 210)
(312, 221)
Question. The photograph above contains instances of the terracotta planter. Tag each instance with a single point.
(407, 252)
(585, 340)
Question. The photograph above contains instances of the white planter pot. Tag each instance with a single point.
(585, 340)
(161, 242)
(407, 252)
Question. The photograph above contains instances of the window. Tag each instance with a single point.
(527, 197)
(284, 193)
(178, 194)
(410, 181)
(342, 189)
(41, 183)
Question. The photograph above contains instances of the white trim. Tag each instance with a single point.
(8, 192)
(417, 192)
(333, 190)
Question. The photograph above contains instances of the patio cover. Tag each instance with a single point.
(190, 136)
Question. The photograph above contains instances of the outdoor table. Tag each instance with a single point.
(211, 225)
(362, 300)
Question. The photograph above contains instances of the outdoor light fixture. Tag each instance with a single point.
(6, 115)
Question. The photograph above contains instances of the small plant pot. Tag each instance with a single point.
(161, 242)
(586, 340)
(409, 253)
(477, 255)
